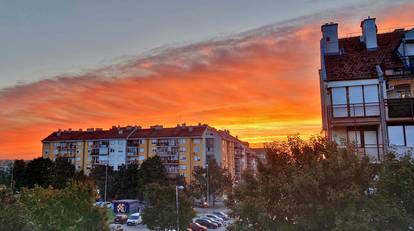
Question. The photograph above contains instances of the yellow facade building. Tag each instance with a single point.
(181, 148)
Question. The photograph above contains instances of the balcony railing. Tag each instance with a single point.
(354, 110)
(400, 108)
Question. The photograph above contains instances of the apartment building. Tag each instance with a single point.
(86, 149)
(181, 148)
(367, 89)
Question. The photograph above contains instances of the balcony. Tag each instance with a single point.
(400, 108)
(358, 113)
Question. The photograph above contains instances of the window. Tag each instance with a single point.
(402, 135)
(339, 102)
(141, 158)
(153, 141)
(183, 158)
(355, 101)
(196, 141)
(141, 141)
(182, 149)
(409, 135)
(112, 150)
(183, 167)
(396, 135)
(181, 141)
(196, 158)
(196, 149)
(141, 150)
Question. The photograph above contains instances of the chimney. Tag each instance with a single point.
(329, 43)
(369, 33)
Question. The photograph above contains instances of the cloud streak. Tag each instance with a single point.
(261, 84)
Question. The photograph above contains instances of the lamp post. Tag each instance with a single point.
(177, 206)
(208, 191)
(11, 176)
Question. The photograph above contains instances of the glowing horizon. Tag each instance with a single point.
(262, 85)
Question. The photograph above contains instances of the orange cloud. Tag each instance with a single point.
(262, 85)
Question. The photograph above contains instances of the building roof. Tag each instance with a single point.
(128, 132)
(113, 133)
(356, 62)
(179, 131)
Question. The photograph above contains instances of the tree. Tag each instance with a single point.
(12, 213)
(70, 208)
(127, 181)
(316, 186)
(151, 171)
(5, 178)
(38, 172)
(19, 174)
(218, 180)
(160, 211)
(97, 175)
(61, 172)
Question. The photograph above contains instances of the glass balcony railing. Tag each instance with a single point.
(400, 108)
(354, 110)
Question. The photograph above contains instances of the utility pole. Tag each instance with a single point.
(11, 177)
(208, 191)
(177, 205)
(106, 179)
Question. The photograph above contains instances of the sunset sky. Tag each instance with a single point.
(247, 66)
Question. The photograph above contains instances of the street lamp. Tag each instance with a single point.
(208, 193)
(176, 203)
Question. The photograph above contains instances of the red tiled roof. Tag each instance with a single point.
(114, 133)
(128, 132)
(357, 62)
(226, 135)
(182, 131)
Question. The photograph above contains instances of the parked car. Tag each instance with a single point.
(197, 227)
(115, 227)
(222, 215)
(216, 218)
(134, 219)
(120, 219)
(213, 220)
(207, 223)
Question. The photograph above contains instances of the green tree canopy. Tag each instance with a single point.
(160, 211)
(38, 172)
(218, 181)
(316, 186)
(70, 208)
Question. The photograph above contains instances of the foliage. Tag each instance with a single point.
(38, 172)
(61, 171)
(129, 181)
(70, 208)
(12, 213)
(19, 174)
(97, 175)
(5, 178)
(316, 186)
(160, 211)
(218, 180)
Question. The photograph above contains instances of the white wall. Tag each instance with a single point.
(117, 153)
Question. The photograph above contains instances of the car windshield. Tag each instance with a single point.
(134, 217)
